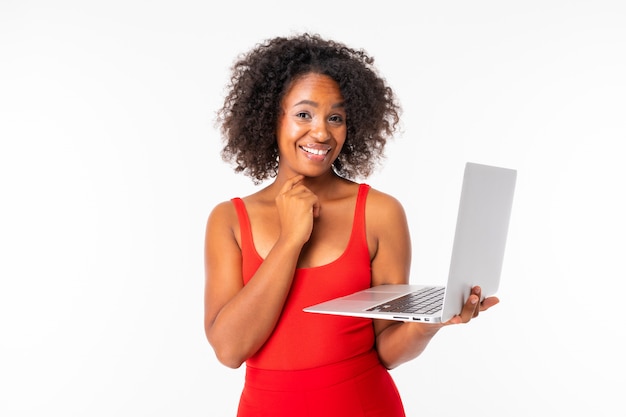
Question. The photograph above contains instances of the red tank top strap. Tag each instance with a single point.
(248, 251)
(359, 212)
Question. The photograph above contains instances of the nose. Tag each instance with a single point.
(320, 131)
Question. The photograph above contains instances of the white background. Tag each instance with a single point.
(109, 166)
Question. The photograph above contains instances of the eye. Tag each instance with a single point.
(303, 115)
(336, 119)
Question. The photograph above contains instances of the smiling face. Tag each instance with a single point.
(312, 127)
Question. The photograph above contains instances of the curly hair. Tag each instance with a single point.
(260, 79)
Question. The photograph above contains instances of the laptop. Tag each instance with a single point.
(477, 256)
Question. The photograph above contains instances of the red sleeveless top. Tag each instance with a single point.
(307, 340)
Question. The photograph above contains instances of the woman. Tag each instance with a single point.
(313, 115)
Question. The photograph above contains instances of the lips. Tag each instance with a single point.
(318, 150)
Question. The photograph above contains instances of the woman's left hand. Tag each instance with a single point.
(473, 306)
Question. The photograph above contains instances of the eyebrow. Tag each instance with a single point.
(314, 104)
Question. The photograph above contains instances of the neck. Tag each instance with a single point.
(323, 186)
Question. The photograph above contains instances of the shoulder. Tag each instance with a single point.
(223, 209)
(226, 210)
(384, 216)
(380, 204)
(222, 216)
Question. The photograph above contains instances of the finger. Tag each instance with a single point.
(488, 303)
(478, 292)
(454, 320)
(316, 209)
(473, 307)
(299, 191)
(470, 308)
(467, 312)
(291, 183)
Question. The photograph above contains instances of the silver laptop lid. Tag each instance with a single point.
(481, 233)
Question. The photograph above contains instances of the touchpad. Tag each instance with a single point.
(370, 296)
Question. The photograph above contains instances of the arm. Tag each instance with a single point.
(399, 342)
(239, 319)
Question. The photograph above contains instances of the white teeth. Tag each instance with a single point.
(316, 151)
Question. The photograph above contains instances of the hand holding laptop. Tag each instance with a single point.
(473, 306)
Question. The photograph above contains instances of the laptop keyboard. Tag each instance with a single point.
(424, 301)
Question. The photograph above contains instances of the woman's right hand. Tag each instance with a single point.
(297, 208)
